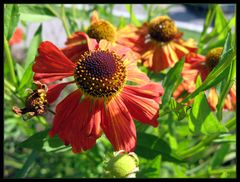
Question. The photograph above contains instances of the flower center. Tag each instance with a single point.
(100, 73)
(162, 29)
(102, 29)
(213, 57)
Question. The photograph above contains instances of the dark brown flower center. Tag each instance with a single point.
(100, 73)
(213, 57)
(162, 29)
(102, 29)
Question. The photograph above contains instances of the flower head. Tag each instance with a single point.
(159, 42)
(196, 64)
(103, 100)
(101, 29)
(35, 103)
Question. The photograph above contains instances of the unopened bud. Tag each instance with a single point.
(122, 165)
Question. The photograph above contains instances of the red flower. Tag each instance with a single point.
(195, 65)
(159, 42)
(17, 36)
(103, 101)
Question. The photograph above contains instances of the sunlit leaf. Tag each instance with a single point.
(11, 17)
(149, 146)
(172, 80)
(201, 119)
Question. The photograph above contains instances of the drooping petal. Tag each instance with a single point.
(76, 123)
(55, 90)
(143, 102)
(118, 126)
(51, 64)
(212, 98)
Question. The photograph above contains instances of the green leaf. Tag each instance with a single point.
(19, 70)
(201, 119)
(219, 72)
(33, 47)
(42, 142)
(26, 80)
(35, 18)
(11, 17)
(219, 156)
(226, 87)
(54, 145)
(152, 168)
(35, 141)
(171, 81)
(150, 146)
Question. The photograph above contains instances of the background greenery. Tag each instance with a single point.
(179, 148)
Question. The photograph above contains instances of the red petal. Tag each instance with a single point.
(55, 90)
(141, 103)
(75, 122)
(151, 91)
(51, 63)
(118, 126)
(50, 77)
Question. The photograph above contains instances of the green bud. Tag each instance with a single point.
(122, 165)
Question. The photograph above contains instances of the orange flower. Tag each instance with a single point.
(103, 101)
(195, 65)
(159, 42)
(17, 36)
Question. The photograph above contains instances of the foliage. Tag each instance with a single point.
(190, 141)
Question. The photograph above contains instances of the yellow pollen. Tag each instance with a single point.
(162, 29)
(102, 29)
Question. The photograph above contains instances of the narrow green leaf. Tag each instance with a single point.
(201, 119)
(35, 9)
(33, 47)
(26, 80)
(219, 155)
(172, 80)
(35, 141)
(22, 173)
(229, 82)
(35, 18)
(11, 17)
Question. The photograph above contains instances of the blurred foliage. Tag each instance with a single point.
(189, 142)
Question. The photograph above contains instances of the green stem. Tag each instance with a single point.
(10, 61)
(131, 13)
(201, 145)
(63, 18)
